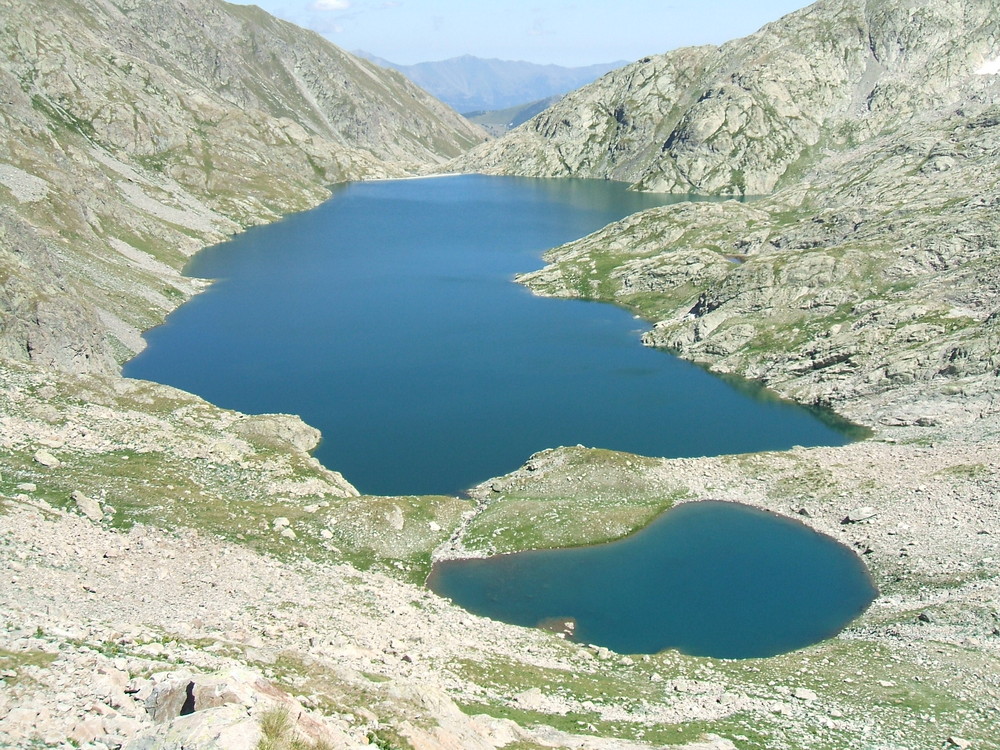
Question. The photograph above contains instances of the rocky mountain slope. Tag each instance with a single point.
(872, 286)
(753, 114)
(866, 280)
(139, 132)
(500, 121)
(176, 575)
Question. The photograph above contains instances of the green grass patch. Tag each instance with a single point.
(574, 497)
(15, 661)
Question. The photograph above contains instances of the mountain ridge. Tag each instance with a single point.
(468, 83)
(749, 116)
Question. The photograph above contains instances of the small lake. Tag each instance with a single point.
(387, 318)
(707, 579)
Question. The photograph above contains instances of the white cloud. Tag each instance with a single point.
(331, 5)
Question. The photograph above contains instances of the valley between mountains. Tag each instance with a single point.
(177, 575)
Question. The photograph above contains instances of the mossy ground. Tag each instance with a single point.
(566, 498)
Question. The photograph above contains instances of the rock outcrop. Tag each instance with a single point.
(755, 113)
(139, 132)
(870, 286)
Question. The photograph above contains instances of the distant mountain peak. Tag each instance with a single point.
(469, 83)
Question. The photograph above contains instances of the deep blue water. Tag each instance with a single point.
(388, 319)
(708, 579)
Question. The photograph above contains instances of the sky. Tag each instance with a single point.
(564, 32)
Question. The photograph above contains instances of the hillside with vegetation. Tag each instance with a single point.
(139, 132)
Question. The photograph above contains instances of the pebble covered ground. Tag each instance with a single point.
(101, 618)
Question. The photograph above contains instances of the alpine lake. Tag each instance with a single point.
(388, 318)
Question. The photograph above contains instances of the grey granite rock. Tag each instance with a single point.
(755, 113)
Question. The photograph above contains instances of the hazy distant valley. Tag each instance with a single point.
(182, 575)
(472, 84)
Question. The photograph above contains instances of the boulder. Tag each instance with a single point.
(88, 506)
(222, 728)
(229, 710)
(87, 730)
(47, 460)
(278, 430)
(861, 514)
(180, 694)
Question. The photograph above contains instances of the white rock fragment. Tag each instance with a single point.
(531, 700)
(861, 514)
(47, 460)
(281, 523)
(805, 694)
(989, 68)
(88, 506)
(395, 518)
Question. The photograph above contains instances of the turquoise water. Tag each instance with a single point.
(388, 319)
(708, 579)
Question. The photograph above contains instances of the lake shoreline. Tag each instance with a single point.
(777, 583)
(380, 306)
(933, 487)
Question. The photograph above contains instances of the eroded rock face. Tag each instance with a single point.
(751, 115)
(232, 710)
(282, 429)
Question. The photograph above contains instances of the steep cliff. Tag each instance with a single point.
(755, 113)
(139, 131)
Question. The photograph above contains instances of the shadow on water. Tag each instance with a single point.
(757, 391)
